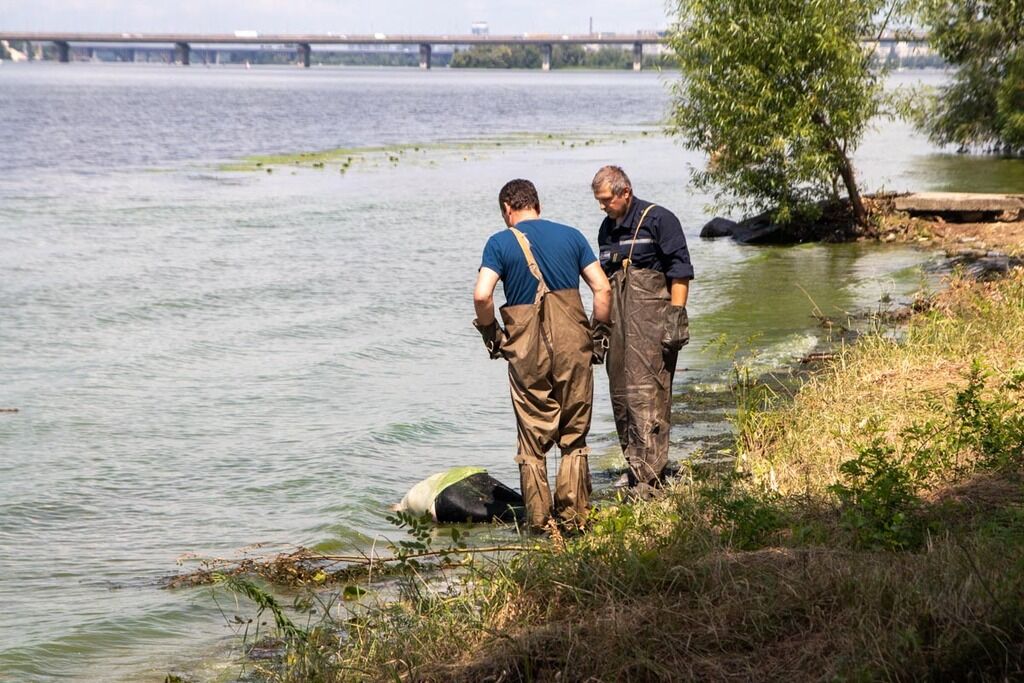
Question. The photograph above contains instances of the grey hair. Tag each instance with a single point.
(614, 177)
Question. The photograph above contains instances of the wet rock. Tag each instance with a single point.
(985, 267)
(757, 230)
(718, 227)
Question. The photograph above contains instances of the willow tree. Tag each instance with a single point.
(984, 104)
(778, 93)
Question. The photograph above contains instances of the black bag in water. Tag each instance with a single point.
(478, 498)
(463, 494)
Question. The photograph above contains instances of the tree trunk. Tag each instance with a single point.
(860, 214)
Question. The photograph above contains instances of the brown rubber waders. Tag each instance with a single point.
(640, 372)
(552, 384)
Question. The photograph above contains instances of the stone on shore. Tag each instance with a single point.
(718, 227)
(760, 229)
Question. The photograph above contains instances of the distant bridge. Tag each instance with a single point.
(303, 43)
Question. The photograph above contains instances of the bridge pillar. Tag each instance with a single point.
(638, 56)
(304, 50)
(63, 51)
(425, 52)
(182, 53)
(545, 55)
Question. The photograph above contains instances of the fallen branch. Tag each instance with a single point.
(304, 566)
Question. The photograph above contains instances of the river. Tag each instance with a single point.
(204, 359)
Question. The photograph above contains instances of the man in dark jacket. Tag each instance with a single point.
(643, 252)
(547, 343)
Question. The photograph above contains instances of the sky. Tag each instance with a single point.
(333, 16)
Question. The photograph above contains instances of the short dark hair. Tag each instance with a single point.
(519, 194)
(614, 177)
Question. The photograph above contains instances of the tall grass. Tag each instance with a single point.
(879, 388)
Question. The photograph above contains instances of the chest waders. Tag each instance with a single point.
(548, 352)
(640, 370)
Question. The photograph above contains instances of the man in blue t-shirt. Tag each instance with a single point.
(548, 343)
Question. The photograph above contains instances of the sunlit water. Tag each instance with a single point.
(203, 360)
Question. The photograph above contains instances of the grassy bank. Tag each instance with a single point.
(873, 528)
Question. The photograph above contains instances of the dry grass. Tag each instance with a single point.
(800, 615)
(665, 597)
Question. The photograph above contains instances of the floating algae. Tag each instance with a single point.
(344, 158)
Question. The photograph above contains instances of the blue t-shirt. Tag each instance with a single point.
(562, 252)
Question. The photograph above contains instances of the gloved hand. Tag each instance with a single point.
(493, 337)
(599, 333)
(677, 329)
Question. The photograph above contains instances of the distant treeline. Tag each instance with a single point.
(562, 57)
(348, 58)
(931, 61)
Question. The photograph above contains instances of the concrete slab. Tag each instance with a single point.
(943, 202)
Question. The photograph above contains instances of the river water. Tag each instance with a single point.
(205, 359)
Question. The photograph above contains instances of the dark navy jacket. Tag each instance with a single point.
(660, 245)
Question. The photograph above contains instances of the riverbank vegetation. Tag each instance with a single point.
(778, 95)
(983, 107)
(870, 527)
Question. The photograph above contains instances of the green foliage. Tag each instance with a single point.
(422, 529)
(879, 496)
(748, 520)
(1010, 102)
(991, 428)
(562, 57)
(752, 395)
(778, 94)
(498, 57)
(264, 601)
(984, 105)
(878, 499)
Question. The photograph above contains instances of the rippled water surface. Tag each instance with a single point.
(205, 359)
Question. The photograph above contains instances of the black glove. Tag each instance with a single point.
(677, 329)
(599, 333)
(493, 337)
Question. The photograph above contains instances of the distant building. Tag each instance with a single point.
(479, 28)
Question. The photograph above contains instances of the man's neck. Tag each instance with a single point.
(625, 214)
(517, 217)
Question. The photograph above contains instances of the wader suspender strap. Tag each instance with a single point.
(625, 264)
(524, 244)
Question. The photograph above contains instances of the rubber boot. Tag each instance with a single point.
(572, 488)
(643, 468)
(533, 482)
